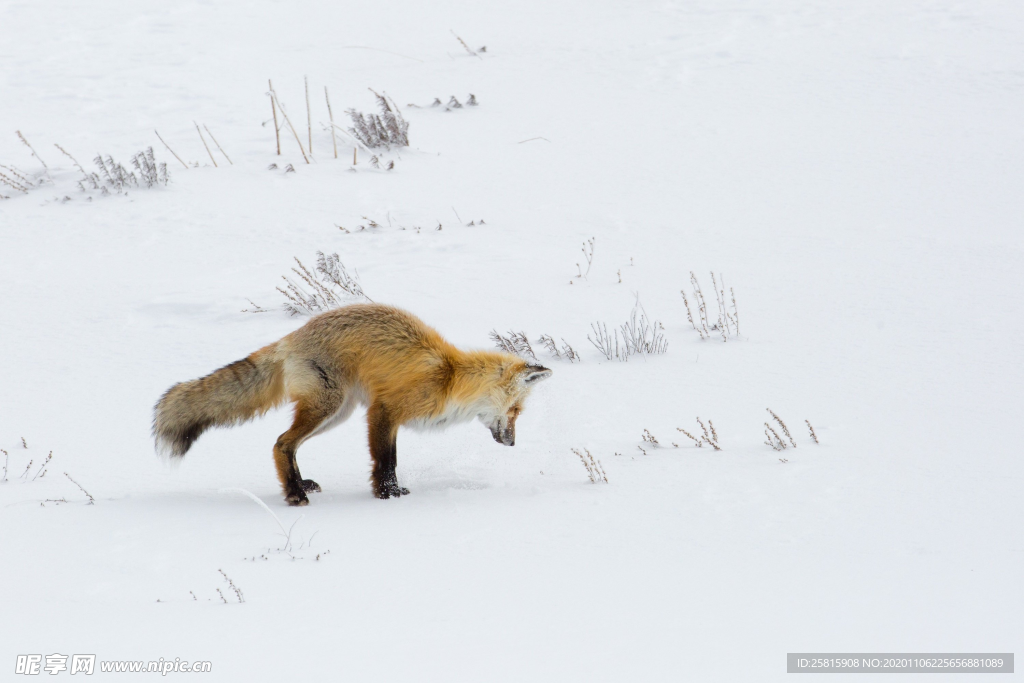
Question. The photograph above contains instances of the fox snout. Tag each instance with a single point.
(506, 436)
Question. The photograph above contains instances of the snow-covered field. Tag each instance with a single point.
(854, 170)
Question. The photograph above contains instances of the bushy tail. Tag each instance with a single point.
(233, 394)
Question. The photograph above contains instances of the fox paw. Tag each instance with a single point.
(310, 486)
(297, 499)
(391, 490)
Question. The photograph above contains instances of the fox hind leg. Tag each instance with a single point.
(384, 451)
(309, 415)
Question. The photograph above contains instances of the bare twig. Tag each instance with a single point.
(169, 149)
(46, 169)
(287, 120)
(218, 145)
(42, 468)
(273, 109)
(73, 160)
(92, 501)
(309, 116)
(330, 114)
(204, 144)
(463, 43)
(697, 441)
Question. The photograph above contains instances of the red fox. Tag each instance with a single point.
(379, 356)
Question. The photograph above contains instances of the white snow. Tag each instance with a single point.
(853, 169)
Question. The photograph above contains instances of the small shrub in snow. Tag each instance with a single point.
(114, 176)
(331, 286)
(594, 469)
(726, 324)
(387, 129)
(639, 336)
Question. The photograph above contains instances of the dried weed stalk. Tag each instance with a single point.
(566, 352)
(813, 435)
(275, 99)
(92, 501)
(773, 439)
(231, 584)
(726, 324)
(41, 472)
(639, 336)
(588, 256)
(708, 435)
(782, 424)
(594, 468)
(46, 169)
(515, 343)
(330, 290)
(468, 49)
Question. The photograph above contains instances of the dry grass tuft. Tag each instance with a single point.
(773, 439)
(639, 336)
(782, 424)
(708, 435)
(726, 324)
(813, 435)
(566, 351)
(329, 287)
(594, 468)
(387, 129)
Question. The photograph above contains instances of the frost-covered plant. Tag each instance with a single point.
(515, 343)
(150, 172)
(329, 287)
(566, 351)
(387, 129)
(114, 176)
(727, 324)
(639, 336)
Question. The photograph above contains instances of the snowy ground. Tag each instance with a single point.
(854, 170)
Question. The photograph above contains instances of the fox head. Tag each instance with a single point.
(506, 401)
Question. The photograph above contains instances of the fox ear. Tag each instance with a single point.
(535, 373)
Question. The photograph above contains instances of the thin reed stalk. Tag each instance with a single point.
(204, 144)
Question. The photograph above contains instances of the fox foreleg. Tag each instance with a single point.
(384, 451)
